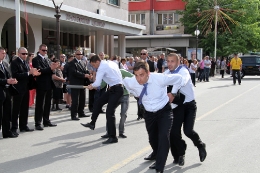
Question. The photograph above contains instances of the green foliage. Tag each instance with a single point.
(241, 37)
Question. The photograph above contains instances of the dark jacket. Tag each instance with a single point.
(44, 81)
(3, 81)
(77, 73)
(20, 72)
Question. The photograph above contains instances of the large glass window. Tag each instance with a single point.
(167, 18)
(137, 18)
(114, 2)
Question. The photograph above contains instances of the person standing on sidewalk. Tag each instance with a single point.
(236, 66)
(207, 65)
(44, 88)
(24, 74)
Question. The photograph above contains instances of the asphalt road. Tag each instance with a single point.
(227, 121)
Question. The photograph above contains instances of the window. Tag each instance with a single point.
(167, 18)
(137, 18)
(114, 2)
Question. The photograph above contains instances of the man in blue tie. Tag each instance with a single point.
(158, 115)
(184, 112)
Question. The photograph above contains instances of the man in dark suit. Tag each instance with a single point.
(5, 98)
(78, 75)
(21, 71)
(44, 88)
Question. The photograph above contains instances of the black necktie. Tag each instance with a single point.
(4, 70)
(25, 64)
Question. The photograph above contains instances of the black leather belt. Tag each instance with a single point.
(120, 85)
(154, 112)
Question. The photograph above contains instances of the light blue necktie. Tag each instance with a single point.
(144, 91)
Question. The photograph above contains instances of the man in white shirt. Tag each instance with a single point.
(110, 73)
(158, 115)
(207, 65)
(184, 113)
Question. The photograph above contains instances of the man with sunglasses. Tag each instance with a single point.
(21, 71)
(44, 88)
(78, 75)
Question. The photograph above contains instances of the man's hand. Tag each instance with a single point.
(88, 76)
(34, 72)
(90, 87)
(171, 97)
(54, 65)
(12, 81)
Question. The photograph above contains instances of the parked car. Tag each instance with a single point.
(250, 65)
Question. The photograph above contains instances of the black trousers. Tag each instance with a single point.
(192, 75)
(5, 113)
(21, 103)
(111, 98)
(43, 106)
(78, 97)
(158, 126)
(140, 109)
(91, 99)
(184, 114)
(234, 76)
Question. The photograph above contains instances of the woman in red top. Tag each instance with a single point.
(33, 91)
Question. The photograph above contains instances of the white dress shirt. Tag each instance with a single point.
(156, 97)
(187, 89)
(109, 72)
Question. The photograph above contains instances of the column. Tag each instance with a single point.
(111, 51)
(121, 46)
(92, 43)
(99, 46)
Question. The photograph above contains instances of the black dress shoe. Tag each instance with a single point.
(139, 118)
(110, 141)
(152, 166)
(75, 119)
(105, 136)
(202, 152)
(122, 136)
(38, 128)
(50, 125)
(157, 171)
(181, 160)
(27, 129)
(10, 135)
(83, 116)
(92, 127)
(150, 157)
(15, 132)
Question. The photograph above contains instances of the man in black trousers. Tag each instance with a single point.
(21, 71)
(44, 88)
(5, 98)
(184, 113)
(110, 73)
(78, 75)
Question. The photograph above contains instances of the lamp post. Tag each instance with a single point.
(57, 4)
(197, 32)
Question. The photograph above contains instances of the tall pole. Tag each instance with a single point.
(216, 22)
(197, 42)
(57, 15)
(18, 25)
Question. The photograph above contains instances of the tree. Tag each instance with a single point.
(237, 30)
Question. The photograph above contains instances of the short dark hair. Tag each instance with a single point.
(70, 56)
(1, 48)
(42, 45)
(141, 64)
(55, 60)
(94, 59)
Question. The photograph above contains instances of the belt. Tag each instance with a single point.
(154, 112)
(189, 102)
(120, 85)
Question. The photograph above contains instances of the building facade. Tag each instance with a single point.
(88, 25)
(163, 32)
